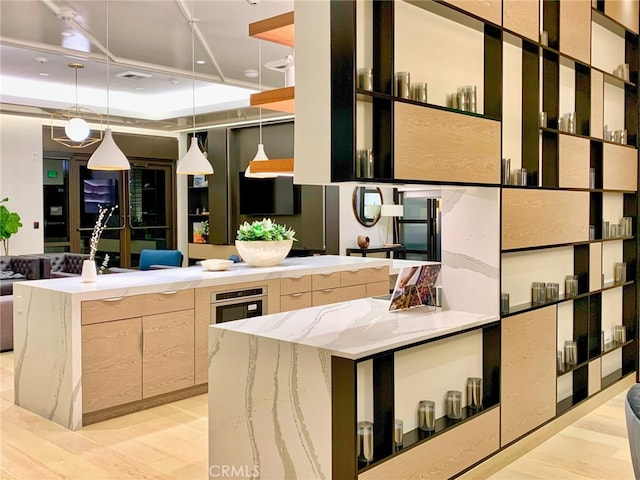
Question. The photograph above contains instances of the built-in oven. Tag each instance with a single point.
(238, 304)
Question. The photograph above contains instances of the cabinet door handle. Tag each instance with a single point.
(170, 292)
(142, 342)
(354, 271)
(378, 268)
(114, 299)
(296, 294)
(326, 274)
(328, 290)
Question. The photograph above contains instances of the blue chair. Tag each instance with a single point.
(154, 259)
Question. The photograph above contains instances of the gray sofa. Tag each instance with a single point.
(632, 414)
(63, 264)
(13, 269)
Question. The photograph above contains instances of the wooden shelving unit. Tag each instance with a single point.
(279, 29)
(552, 212)
(280, 99)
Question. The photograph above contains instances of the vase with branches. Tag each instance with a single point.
(89, 273)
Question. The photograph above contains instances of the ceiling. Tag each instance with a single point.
(148, 37)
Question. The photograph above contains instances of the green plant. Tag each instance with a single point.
(203, 229)
(264, 230)
(9, 224)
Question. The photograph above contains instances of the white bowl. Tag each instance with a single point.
(216, 264)
(263, 253)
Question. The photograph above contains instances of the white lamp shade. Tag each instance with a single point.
(260, 156)
(77, 129)
(391, 210)
(194, 162)
(108, 156)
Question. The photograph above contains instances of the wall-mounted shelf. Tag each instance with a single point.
(280, 99)
(278, 29)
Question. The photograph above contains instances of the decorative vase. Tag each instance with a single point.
(363, 242)
(263, 253)
(89, 272)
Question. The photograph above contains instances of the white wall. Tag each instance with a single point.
(21, 179)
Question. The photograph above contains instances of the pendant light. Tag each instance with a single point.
(76, 129)
(194, 162)
(260, 155)
(108, 156)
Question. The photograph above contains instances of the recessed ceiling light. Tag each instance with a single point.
(41, 59)
(173, 82)
(200, 62)
(251, 73)
(67, 33)
(44, 74)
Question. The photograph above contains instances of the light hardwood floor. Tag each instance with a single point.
(170, 441)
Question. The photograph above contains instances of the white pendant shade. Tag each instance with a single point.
(108, 156)
(260, 156)
(77, 129)
(194, 162)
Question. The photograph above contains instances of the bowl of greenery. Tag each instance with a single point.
(264, 243)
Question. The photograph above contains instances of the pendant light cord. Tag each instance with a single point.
(193, 71)
(108, 54)
(260, 84)
(76, 69)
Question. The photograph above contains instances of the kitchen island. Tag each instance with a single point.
(88, 351)
(287, 390)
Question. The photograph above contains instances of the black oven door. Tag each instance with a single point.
(238, 311)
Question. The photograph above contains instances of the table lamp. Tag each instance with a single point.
(392, 211)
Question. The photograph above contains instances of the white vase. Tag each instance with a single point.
(263, 253)
(89, 272)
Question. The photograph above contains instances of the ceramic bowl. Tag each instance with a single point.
(216, 264)
(262, 253)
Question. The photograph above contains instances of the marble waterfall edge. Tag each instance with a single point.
(269, 401)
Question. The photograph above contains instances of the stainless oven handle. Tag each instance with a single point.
(231, 301)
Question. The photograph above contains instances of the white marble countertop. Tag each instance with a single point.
(358, 328)
(153, 281)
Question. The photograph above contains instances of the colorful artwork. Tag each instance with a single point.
(414, 287)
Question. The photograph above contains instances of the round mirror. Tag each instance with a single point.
(366, 205)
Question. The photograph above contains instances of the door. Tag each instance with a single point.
(144, 217)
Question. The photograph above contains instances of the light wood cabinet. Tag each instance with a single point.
(111, 364)
(321, 281)
(340, 294)
(116, 308)
(573, 162)
(169, 301)
(295, 285)
(364, 275)
(523, 17)
(533, 218)
(445, 455)
(432, 144)
(575, 29)
(295, 301)
(128, 359)
(168, 352)
(528, 384)
(619, 168)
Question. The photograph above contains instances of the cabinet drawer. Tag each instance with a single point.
(117, 308)
(341, 294)
(295, 301)
(364, 275)
(377, 288)
(169, 301)
(295, 285)
(322, 281)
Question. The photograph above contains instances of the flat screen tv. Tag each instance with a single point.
(268, 196)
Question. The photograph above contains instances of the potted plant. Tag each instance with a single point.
(9, 225)
(264, 243)
(201, 232)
